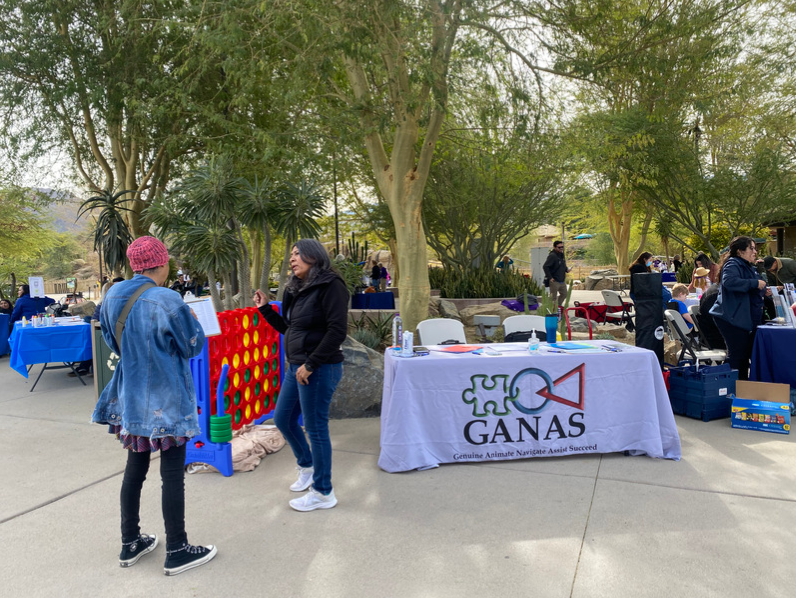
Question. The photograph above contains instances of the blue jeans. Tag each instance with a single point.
(312, 401)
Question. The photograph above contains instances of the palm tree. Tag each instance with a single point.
(213, 247)
(258, 208)
(298, 208)
(111, 234)
(212, 197)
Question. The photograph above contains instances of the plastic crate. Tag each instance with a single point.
(705, 393)
(699, 410)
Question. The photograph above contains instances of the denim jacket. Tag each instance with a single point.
(151, 393)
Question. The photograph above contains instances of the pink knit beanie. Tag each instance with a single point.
(147, 252)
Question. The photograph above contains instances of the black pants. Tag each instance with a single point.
(739, 346)
(172, 475)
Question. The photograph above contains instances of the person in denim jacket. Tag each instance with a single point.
(314, 321)
(150, 403)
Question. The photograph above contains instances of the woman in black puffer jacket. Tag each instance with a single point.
(314, 321)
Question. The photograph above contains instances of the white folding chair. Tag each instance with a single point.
(524, 323)
(438, 331)
(690, 347)
(614, 299)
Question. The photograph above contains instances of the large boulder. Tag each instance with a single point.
(359, 391)
(618, 332)
(447, 309)
(487, 309)
(582, 325)
(86, 308)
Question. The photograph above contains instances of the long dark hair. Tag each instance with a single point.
(704, 260)
(736, 245)
(314, 254)
(642, 259)
(25, 289)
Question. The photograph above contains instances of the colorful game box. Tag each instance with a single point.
(761, 406)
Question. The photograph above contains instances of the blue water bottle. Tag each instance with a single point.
(550, 327)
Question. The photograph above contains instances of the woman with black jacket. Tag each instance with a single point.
(640, 266)
(314, 321)
(738, 310)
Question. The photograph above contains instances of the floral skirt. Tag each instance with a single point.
(143, 444)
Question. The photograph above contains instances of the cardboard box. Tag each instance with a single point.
(761, 406)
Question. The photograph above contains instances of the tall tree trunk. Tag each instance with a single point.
(395, 272)
(283, 271)
(228, 293)
(265, 272)
(257, 249)
(620, 220)
(244, 271)
(211, 282)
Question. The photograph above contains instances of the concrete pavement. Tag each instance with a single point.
(717, 523)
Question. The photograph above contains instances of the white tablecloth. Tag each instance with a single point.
(449, 408)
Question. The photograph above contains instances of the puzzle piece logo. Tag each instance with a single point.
(489, 393)
(496, 393)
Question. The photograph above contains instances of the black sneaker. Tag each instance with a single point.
(187, 557)
(132, 551)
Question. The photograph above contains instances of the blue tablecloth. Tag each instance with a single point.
(668, 277)
(773, 359)
(373, 301)
(51, 344)
(4, 348)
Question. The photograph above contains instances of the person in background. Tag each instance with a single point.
(738, 310)
(703, 261)
(179, 284)
(707, 324)
(700, 280)
(315, 323)
(642, 265)
(375, 275)
(5, 307)
(505, 264)
(27, 306)
(555, 270)
(781, 270)
(676, 263)
(679, 295)
(383, 276)
(150, 403)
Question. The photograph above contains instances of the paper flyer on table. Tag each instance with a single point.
(206, 314)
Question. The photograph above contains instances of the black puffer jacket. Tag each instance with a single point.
(315, 322)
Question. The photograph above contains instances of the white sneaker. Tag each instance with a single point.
(304, 480)
(314, 500)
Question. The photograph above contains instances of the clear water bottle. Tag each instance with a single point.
(397, 331)
(533, 342)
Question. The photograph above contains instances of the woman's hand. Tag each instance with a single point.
(302, 375)
(260, 298)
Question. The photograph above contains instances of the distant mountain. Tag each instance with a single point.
(62, 211)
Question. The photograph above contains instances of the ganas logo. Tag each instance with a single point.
(497, 395)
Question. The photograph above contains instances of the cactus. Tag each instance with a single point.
(355, 252)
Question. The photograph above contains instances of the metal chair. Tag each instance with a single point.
(614, 299)
(439, 331)
(695, 352)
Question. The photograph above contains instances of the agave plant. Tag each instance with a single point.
(111, 234)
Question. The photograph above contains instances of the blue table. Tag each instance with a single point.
(4, 348)
(773, 359)
(67, 344)
(373, 301)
